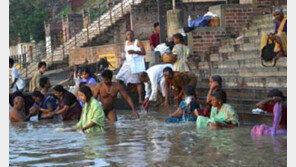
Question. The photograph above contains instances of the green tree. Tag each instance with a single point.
(26, 19)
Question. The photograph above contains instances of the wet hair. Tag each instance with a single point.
(179, 36)
(156, 24)
(11, 61)
(220, 94)
(87, 92)
(190, 90)
(276, 93)
(43, 81)
(41, 63)
(59, 88)
(37, 94)
(143, 75)
(14, 95)
(107, 74)
(218, 79)
(169, 70)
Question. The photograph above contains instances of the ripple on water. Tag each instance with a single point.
(145, 142)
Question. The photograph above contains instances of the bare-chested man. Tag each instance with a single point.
(17, 114)
(107, 91)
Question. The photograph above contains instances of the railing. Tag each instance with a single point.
(116, 10)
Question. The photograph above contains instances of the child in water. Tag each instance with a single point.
(187, 107)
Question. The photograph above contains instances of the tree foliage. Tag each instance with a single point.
(26, 19)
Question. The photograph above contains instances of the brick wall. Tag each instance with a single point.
(237, 16)
(206, 40)
(145, 15)
(264, 3)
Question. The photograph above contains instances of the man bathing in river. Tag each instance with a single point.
(17, 114)
(106, 91)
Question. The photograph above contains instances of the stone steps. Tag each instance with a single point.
(240, 55)
(243, 63)
(260, 25)
(251, 82)
(257, 32)
(241, 47)
(244, 72)
(241, 40)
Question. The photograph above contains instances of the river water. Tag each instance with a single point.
(145, 142)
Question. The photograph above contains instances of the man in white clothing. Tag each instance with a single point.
(154, 81)
(18, 84)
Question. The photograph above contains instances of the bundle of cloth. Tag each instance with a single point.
(199, 21)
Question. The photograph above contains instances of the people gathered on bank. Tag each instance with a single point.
(93, 103)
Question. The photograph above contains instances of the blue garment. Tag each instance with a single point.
(199, 22)
(89, 80)
(189, 110)
(44, 104)
(187, 118)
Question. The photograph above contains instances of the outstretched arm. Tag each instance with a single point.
(167, 92)
(129, 100)
(264, 102)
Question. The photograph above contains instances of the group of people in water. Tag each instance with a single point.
(93, 102)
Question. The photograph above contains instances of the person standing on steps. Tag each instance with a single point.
(34, 83)
(18, 84)
(181, 53)
(154, 37)
(134, 63)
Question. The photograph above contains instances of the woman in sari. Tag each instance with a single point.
(274, 104)
(222, 114)
(279, 35)
(92, 118)
(68, 106)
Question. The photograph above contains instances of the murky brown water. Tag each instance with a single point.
(145, 142)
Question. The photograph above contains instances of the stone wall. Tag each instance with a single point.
(113, 52)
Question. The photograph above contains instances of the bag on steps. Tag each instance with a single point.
(268, 54)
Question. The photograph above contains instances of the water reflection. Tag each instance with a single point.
(145, 142)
